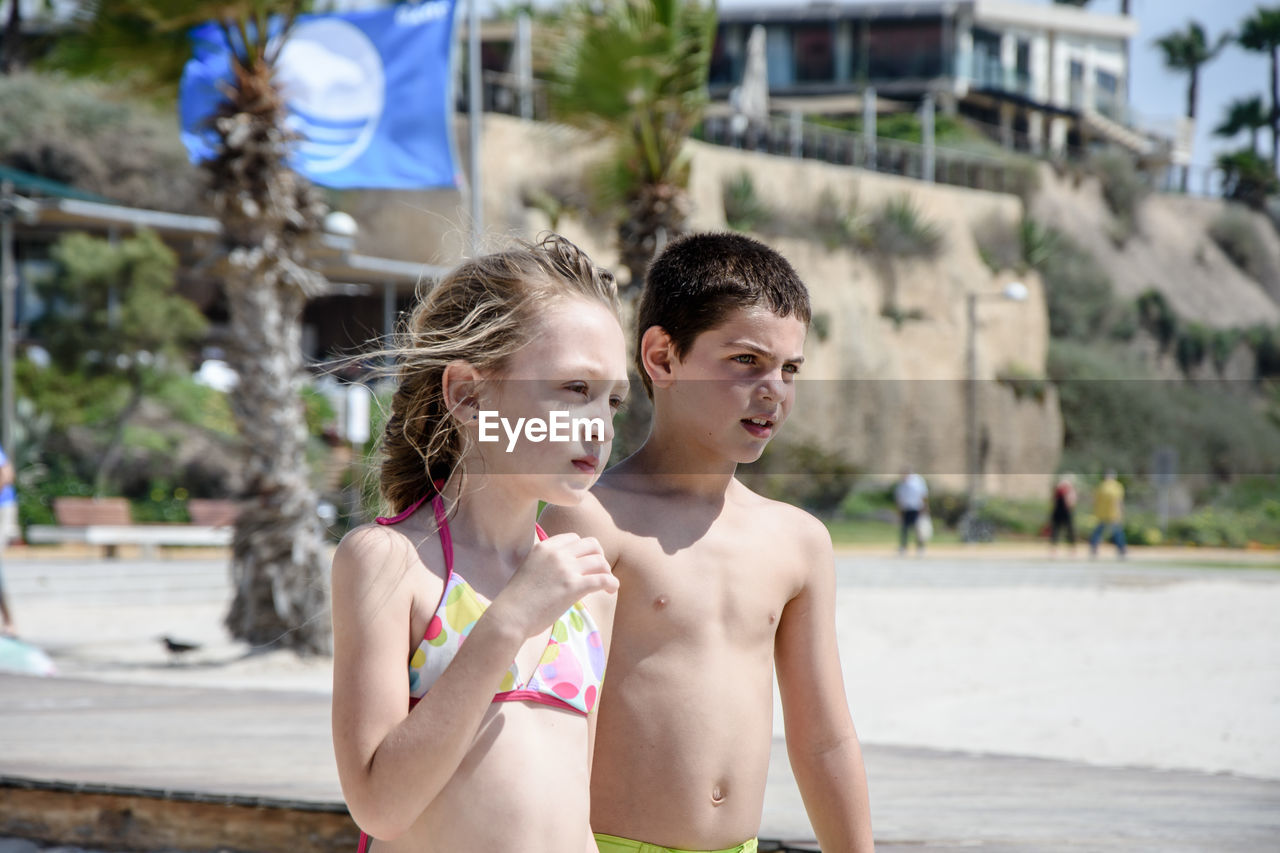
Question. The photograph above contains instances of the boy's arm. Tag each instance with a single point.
(821, 742)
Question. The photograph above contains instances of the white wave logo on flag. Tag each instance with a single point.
(332, 78)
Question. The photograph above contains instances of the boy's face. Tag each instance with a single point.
(735, 386)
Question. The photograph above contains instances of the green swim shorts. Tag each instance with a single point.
(614, 844)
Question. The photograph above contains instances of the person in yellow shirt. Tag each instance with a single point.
(1108, 508)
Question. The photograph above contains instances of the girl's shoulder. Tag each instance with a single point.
(379, 555)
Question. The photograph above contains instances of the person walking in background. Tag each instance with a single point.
(8, 524)
(911, 494)
(1062, 518)
(1108, 508)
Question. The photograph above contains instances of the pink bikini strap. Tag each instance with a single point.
(446, 540)
(442, 523)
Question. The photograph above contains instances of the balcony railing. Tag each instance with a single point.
(783, 136)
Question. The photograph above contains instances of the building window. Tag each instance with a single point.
(905, 50)
(814, 48)
(987, 72)
(1107, 96)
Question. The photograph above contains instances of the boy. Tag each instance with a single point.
(717, 584)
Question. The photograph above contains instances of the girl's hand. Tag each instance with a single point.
(558, 572)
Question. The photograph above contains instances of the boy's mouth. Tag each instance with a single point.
(760, 427)
(587, 464)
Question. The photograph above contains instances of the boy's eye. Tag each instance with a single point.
(615, 403)
(745, 359)
(577, 387)
(791, 368)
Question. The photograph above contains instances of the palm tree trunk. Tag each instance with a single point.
(655, 214)
(1275, 111)
(1193, 86)
(268, 213)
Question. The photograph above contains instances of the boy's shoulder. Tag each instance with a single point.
(787, 521)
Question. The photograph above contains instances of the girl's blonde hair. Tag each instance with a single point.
(481, 313)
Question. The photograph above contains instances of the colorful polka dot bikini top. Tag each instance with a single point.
(567, 676)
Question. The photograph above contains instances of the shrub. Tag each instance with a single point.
(1193, 344)
(1247, 178)
(1157, 316)
(86, 135)
(743, 209)
(1115, 413)
(1023, 383)
(1078, 292)
(998, 244)
(1237, 235)
(899, 229)
(836, 223)
(1124, 188)
(803, 474)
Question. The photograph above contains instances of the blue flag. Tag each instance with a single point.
(369, 93)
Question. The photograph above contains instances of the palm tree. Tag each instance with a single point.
(1260, 33)
(635, 72)
(268, 214)
(1187, 50)
(1244, 114)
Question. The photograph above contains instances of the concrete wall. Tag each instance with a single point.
(881, 395)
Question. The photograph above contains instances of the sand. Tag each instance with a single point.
(1143, 667)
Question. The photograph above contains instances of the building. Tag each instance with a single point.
(1042, 77)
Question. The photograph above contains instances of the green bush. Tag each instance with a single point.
(1023, 383)
(1115, 414)
(1019, 517)
(1078, 291)
(836, 223)
(876, 503)
(1124, 188)
(1194, 340)
(92, 137)
(998, 244)
(898, 229)
(743, 209)
(1237, 235)
(803, 474)
(1157, 316)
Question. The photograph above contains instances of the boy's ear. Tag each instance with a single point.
(460, 384)
(657, 353)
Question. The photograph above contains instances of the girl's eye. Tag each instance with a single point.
(577, 387)
(615, 403)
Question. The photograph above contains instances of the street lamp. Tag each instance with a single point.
(1014, 291)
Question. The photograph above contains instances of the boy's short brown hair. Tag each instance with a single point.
(699, 279)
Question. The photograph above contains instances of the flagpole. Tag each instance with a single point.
(473, 121)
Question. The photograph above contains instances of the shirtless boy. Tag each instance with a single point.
(718, 585)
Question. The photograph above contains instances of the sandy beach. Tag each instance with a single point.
(1142, 665)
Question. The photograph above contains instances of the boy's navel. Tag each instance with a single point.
(660, 602)
(717, 795)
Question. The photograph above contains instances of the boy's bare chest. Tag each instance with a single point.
(735, 585)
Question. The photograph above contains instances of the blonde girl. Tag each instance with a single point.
(482, 745)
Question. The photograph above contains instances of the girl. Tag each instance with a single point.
(484, 745)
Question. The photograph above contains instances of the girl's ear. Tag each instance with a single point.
(657, 354)
(460, 384)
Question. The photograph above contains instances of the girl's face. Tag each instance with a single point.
(546, 423)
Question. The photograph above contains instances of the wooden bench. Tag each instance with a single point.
(105, 522)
